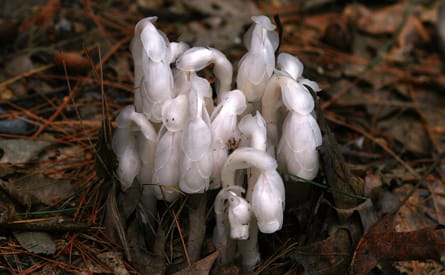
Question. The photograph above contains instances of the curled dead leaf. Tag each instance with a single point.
(72, 60)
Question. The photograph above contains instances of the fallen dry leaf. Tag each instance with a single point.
(381, 244)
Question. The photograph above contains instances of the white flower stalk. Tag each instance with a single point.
(197, 158)
(257, 65)
(133, 143)
(197, 58)
(224, 121)
(297, 151)
(166, 166)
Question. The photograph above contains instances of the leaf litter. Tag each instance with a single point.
(382, 88)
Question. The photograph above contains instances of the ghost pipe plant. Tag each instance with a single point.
(285, 85)
(268, 208)
(153, 76)
(257, 65)
(190, 153)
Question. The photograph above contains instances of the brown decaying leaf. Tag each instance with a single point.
(381, 243)
(73, 61)
(36, 242)
(201, 267)
(330, 256)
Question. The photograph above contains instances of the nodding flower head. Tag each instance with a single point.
(153, 41)
(290, 65)
(197, 58)
(239, 216)
(268, 201)
(133, 131)
(257, 65)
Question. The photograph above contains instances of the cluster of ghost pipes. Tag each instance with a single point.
(190, 152)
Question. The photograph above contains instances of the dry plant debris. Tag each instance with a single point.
(67, 71)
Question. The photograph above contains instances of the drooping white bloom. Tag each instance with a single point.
(257, 65)
(295, 96)
(297, 149)
(197, 158)
(293, 67)
(284, 87)
(224, 120)
(134, 144)
(166, 166)
(268, 180)
(239, 216)
(253, 129)
(268, 201)
(175, 49)
(197, 58)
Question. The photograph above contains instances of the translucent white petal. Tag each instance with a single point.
(128, 167)
(223, 71)
(268, 202)
(291, 65)
(158, 80)
(295, 96)
(153, 43)
(297, 149)
(197, 139)
(191, 181)
(243, 158)
(194, 59)
(175, 113)
(312, 84)
(252, 68)
(175, 49)
(254, 129)
(239, 216)
(166, 168)
(264, 21)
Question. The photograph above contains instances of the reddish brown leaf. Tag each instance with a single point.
(381, 243)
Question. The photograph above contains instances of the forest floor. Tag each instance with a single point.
(67, 72)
